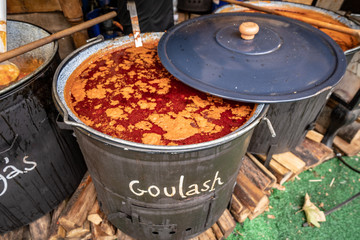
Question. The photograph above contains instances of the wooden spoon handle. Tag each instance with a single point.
(312, 21)
(38, 43)
(338, 28)
(251, 6)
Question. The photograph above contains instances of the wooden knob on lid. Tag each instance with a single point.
(248, 30)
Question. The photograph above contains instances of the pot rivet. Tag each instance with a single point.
(248, 30)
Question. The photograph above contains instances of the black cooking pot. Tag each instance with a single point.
(151, 191)
(40, 165)
(303, 112)
(288, 64)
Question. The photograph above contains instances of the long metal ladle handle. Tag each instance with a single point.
(134, 22)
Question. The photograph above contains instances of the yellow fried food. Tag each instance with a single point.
(8, 73)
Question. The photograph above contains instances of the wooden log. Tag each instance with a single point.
(314, 135)
(122, 236)
(95, 215)
(26, 233)
(342, 145)
(107, 227)
(87, 237)
(54, 224)
(39, 229)
(258, 173)
(195, 238)
(291, 162)
(207, 235)
(281, 173)
(13, 235)
(95, 209)
(349, 149)
(217, 231)
(260, 211)
(249, 195)
(226, 223)
(236, 205)
(77, 233)
(238, 210)
(57, 212)
(202, 236)
(210, 234)
(86, 225)
(251, 171)
(243, 215)
(313, 153)
(97, 232)
(61, 233)
(94, 218)
(79, 205)
(106, 238)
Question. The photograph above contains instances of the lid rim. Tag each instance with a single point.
(338, 65)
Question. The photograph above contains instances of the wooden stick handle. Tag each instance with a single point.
(338, 28)
(38, 43)
(312, 21)
(251, 6)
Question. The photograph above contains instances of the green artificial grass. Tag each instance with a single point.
(286, 206)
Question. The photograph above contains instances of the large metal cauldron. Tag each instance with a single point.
(156, 192)
(40, 165)
(292, 119)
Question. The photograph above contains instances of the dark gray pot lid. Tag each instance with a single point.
(287, 60)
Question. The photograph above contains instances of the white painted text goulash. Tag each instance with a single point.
(138, 188)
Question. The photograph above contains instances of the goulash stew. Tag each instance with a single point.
(128, 94)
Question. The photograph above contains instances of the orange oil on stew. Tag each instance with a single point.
(128, 94)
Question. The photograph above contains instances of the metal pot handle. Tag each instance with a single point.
(270, 126)
(67, 121)
(89, 42)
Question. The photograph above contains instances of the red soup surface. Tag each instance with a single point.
(128, 94)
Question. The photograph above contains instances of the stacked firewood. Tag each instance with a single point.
(310, 153)
(83, 219)
(253, 185)
(255, 182)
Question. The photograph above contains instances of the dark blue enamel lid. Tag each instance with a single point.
(287, 60)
